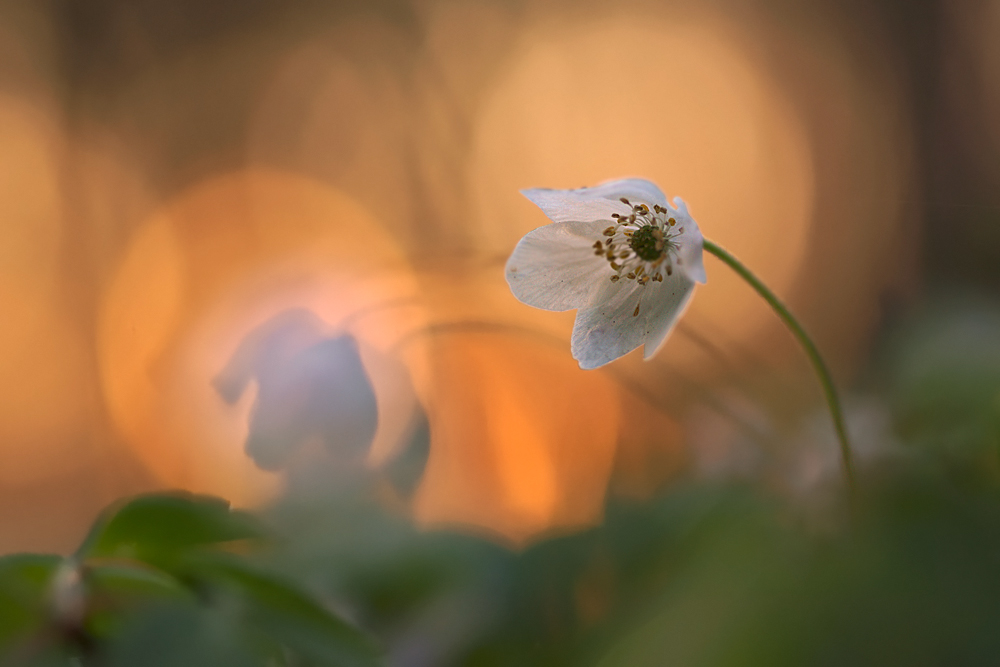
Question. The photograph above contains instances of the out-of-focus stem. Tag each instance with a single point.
(829, 390)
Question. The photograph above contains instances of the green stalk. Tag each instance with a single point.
(832, 400)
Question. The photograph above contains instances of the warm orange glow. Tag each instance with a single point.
(42, 358)
(217, 261)
(365, 166)
(681, 106)
(355, 125)
(523, 440)
(651, 447)
(142, 311)
(974, 59)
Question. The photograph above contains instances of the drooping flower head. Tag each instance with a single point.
(617, 252)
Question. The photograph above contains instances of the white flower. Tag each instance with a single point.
(620, 254)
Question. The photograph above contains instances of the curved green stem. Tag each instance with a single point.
(832, 400)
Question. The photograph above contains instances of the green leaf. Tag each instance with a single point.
(117, 590)
(177, 634)
(290, 616)
(24, 584)
(124, 581)
(158, 529)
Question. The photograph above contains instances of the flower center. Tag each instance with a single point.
(641, 245)
(647, 243)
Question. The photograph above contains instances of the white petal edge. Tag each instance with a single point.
(606, 332)
(596, 203)
(554, 267)
(603, 333)
(670, 308)
(692, 263)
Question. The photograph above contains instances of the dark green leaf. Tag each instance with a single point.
(291, 616)
(117, 590)
(157, 529)
(181, 635)
(24, 583)
(120, 580)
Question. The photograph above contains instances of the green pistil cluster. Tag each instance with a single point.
(640, 245)
(647, 242)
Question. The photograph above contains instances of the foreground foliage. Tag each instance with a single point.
(737, 570)
(165, 580)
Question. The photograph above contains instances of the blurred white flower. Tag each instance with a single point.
(620, 254)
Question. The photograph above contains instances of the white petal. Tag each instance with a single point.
(608, 331)
(664, 311)
(554, 267)
(691, 245)
(596, 203)
(605, 332)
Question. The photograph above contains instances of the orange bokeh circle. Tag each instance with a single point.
(216, 261)
(681, 105)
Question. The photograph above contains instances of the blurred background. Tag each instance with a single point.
(255, 250)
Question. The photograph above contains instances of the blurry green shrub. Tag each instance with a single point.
(715, 573)
(712, 574)
(166, 580)
(944, 377)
